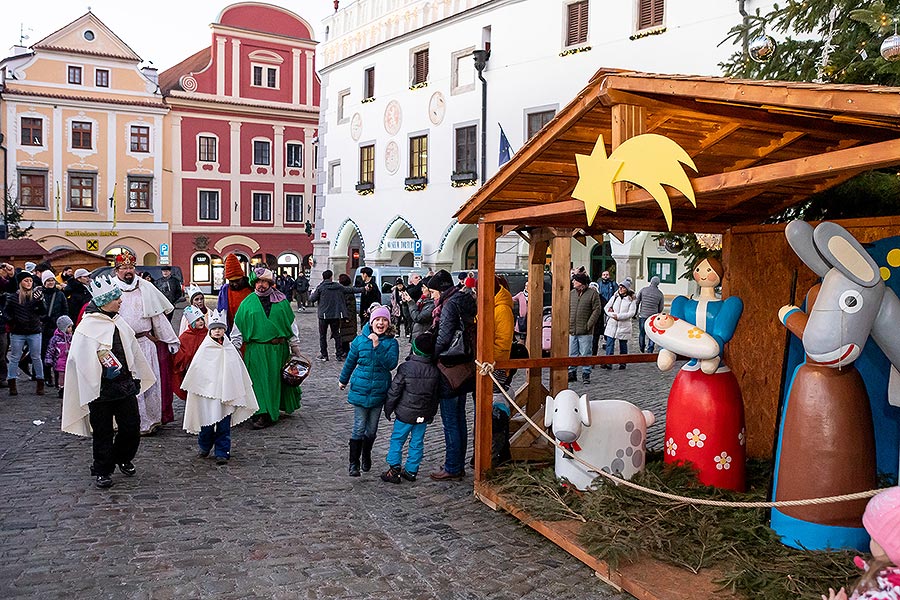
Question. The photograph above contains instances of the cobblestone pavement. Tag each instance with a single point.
(282, 520)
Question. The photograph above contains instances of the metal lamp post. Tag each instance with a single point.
(5, 228)
(481, 57)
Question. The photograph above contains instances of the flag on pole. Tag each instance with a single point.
(112, 203)
(58, 205)
(505, 150)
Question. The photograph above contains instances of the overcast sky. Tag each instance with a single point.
(162, 31)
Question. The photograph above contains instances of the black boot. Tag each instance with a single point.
(355, 449)
(366, 462)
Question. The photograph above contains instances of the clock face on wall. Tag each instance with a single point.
(356, 126)
(437, 106)
(393, 117)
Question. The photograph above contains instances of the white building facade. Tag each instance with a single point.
(401, 116)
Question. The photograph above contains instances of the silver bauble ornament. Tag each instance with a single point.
(890, 48)
(674, 245)
(762, 48)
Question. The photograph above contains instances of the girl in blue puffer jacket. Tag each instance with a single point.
(373, 355)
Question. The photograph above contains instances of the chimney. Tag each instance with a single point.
(151, 73)
(18, 50)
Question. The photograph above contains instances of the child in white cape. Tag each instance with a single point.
(219, 392)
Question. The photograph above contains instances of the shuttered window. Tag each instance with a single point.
(577, 23)
(650, 13)
(369, 83)
(420, 66)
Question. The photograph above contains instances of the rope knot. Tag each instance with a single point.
(485, 369)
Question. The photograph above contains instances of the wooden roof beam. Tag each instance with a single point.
(714, 138)
(859, 158)
(787, 138)
(764, 93)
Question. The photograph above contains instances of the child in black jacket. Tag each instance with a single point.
(413, 400)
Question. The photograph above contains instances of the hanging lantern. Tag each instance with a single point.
(890, 48)
(761, 48)
(674, 245)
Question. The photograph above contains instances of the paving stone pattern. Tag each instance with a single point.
(282, 520)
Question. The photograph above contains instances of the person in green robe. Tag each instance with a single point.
(264, 327)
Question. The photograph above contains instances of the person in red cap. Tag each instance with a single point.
(235, 290)
(145, 309)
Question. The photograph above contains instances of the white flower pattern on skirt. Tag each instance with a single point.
(671, 446)
(695, 438)
(742, 437)
(723, 461)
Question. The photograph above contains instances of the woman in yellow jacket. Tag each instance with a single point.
(504, 322)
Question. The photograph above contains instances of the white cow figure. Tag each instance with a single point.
(609, 434)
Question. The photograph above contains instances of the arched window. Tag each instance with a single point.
(602, 260)
(201, 268)
(470, 256)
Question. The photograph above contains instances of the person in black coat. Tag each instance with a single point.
(370, 294)
(77, 293)
(23, 310)
(413, 400)
(455, 310)
(55, 306)
(332, 308)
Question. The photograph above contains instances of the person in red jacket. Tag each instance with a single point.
(190, 340)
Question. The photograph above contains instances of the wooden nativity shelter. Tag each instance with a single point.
(759, 147)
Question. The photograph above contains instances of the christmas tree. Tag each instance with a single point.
(827, 41)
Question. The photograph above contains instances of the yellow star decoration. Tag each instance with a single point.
(648, 161)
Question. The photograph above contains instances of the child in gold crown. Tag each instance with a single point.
(219, 392)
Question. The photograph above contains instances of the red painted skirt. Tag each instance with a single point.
(705, 427)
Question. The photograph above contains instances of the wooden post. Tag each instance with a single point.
(628, 120)
(537, 258)
(559, 345)
(484, 392)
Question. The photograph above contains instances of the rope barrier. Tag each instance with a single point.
(487, 369)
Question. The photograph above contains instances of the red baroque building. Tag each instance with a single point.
(242, 128)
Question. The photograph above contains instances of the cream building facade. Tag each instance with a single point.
(83, 128)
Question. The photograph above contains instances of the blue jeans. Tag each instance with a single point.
(17, 343)
(611, 344)
(580, 345)
(416, 435)
(642, 336)
(218, 435)
(365, 421)
(453, 416)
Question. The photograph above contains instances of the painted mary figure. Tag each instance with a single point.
(705, 413)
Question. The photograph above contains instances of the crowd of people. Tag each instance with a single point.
(605, 310)
(114, 333)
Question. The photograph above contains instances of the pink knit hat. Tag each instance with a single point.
(381, 311)
(882, 521)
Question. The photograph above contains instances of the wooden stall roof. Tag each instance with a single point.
(759, 147)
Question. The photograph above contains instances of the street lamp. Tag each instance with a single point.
(4, 229)
(481, 57)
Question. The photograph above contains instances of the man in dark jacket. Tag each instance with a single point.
(607, 288)
(332, 308)
(301, 290)
(77, 293)
(455, 310)
(369, 295)
(170, 286)
(584, 312)
(413, 400)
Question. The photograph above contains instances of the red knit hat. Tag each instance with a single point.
(233, 269)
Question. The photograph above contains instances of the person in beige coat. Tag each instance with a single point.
(619, 311)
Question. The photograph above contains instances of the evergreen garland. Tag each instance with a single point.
(621, 524)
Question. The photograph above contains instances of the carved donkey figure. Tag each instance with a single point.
(826, 444)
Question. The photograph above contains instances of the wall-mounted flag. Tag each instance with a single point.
(505, 149)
